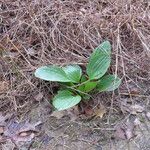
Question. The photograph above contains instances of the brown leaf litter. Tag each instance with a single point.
(100, 111)
(75, 112)
(95, 112)
(126, 130)
(133, 109)
(18, 132)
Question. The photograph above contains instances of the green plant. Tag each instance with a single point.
(75, 85)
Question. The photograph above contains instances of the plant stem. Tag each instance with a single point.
(80, 91)
(80, 84)
(77, 90)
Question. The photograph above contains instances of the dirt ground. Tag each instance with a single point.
(91, 134)
(35, 33)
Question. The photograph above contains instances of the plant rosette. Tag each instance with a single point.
(76, 86)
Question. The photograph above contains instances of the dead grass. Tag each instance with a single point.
(36, 33)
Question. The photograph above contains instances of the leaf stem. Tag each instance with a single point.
(81, 84)
(77, 90)
(80, 91)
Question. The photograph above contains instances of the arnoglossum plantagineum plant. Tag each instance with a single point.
(76, 86)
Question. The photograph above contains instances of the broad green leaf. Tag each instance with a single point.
(81, 87)
(51, 73)
(73, 72)
(99, 61)
(65, 99)
(108, 83)
(89, 86)
(83, 78)
(105, 46)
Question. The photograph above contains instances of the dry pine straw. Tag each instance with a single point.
(35, 33)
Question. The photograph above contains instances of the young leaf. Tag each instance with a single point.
(65, 99)
(108, 83)
(89, 86)
(81, 87)
(99, 61)
(86, 86)
(83, 78)
(51, 73)
(73, 72)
